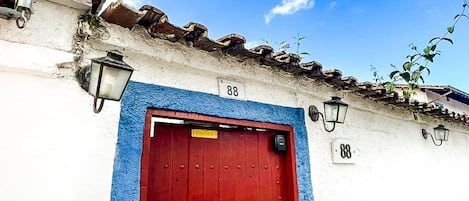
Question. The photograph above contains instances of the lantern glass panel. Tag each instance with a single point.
(441, 133)
(330, 112)
(342, 113)
(113, 82)
(94, 77)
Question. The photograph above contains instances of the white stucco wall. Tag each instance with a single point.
(451, 104)
(395, 162)
(51, 26)
(53, 147)
(427, 96)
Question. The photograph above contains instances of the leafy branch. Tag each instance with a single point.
(417, 63)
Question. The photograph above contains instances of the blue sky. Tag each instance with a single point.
(350, 35)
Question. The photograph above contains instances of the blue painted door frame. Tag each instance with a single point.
(140, 96)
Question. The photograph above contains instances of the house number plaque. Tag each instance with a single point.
(231, 89)
(343, 151)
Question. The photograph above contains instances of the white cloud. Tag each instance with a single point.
(288, 7)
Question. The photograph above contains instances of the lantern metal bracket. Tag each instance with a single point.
(20, 10)
(314, 115)
(101, 103)
(83, 77)
(425, 135)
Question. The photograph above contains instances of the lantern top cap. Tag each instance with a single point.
(114, 59)
(440, 127)
(115, 54)
(335, 100)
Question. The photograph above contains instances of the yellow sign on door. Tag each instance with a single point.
(203, 133)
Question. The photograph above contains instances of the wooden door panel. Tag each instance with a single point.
(196, 170)
(266, 183)
(227, 166)
(210, 169)
(241, 166)
(252, 169)
(160, 164)
(280, 177)
(180, 158)
(238, 166)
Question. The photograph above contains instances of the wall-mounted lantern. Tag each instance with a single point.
(106, 79)
(334, 112)
(441, 134)
(20, 10)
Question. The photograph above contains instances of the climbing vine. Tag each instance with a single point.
(416, 64)
(89, 27)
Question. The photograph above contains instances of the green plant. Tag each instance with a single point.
(283, 45)
(416, 64)
(298, 38)
(89, 27)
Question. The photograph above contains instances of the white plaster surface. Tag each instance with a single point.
(52, 25)
(78, 4)
(52, 145)
(448, 103)
(451, 104)
(30, 57)
(395, 162)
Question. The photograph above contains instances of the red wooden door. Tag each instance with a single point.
(237, 166)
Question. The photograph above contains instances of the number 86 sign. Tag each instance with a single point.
(343, 151)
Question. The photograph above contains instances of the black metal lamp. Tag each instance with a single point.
(441, 134)
(106, 79)
(334, 112)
